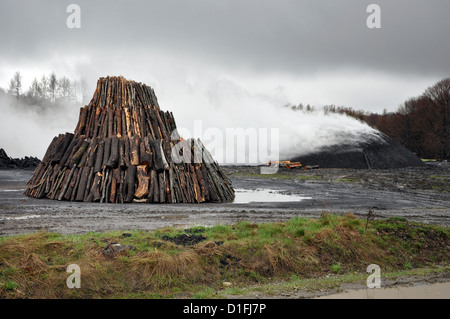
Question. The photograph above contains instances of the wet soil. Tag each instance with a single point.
(431, 286)
(418, 194)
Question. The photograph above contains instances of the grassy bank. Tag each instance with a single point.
(196, 262)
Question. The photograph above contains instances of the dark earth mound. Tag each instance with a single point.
(382, 153)
(185, 239)
(7, 162)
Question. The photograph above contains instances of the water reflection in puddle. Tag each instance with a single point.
(243, 196)
(20, 217)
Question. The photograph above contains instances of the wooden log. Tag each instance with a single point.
(127, 152)
(56, 179)
(118, 117)
(53, 174)
(114, 181)
(50, 149)
(120, 195)
(159, 160)
(113, 160)
(131, 179)
(110, 122)
(56, 187)
(95, 194)
(99, 157)
(183, 185)
(77, 182)
(81, 121)
(211, 194)
(71, 150)
(201, 182)
(167, 184)
(134, 148)
(137, 129)
(172, 194)
(83, 160)
(89, 183)
(142, 177)
(107, 151)
(128, 121)
(55, 147)
(145, 152)
(62, 147)
(67, 184)
(153, 194)
(122, 162)
(79, 153)
(68, 194)
(107, 188)
(58, 195)
(97, 126)
(124, 123)
(82, 184)
(162, 187)
(92, 153)
(197, 190)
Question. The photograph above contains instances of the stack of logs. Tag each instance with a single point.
(122, 151)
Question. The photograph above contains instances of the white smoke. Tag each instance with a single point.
(29, 129)
(223, 105)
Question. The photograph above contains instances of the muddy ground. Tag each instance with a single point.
(419, 194)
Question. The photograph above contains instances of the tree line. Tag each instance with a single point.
(421, 124)
(47, 90)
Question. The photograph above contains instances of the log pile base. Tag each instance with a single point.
(125, 149)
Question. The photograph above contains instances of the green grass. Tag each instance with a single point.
(439, 177)
(246, 254)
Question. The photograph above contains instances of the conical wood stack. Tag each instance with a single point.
(122, 151)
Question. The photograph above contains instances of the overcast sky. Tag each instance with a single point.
(198, 53)
(316, 52)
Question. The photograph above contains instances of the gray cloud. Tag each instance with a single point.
(288, 36)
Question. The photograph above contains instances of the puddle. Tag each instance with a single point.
(435, 291)
(20, 217)
(244, 196)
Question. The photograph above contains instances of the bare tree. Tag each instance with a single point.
(53, 86)
(64, 88)
(44, 87)
(15, 85)
(439, 96)
(35, 89)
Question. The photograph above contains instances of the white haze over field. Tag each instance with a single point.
(28, 130)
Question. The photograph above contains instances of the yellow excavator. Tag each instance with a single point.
(286, 164)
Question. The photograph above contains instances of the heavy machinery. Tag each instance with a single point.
(286, 164)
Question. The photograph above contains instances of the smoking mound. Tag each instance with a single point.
(126, 149)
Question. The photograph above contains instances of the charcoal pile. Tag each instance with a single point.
(126, 149)
(26, 162)
(380, 153)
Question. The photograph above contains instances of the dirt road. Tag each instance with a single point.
(419, 194)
